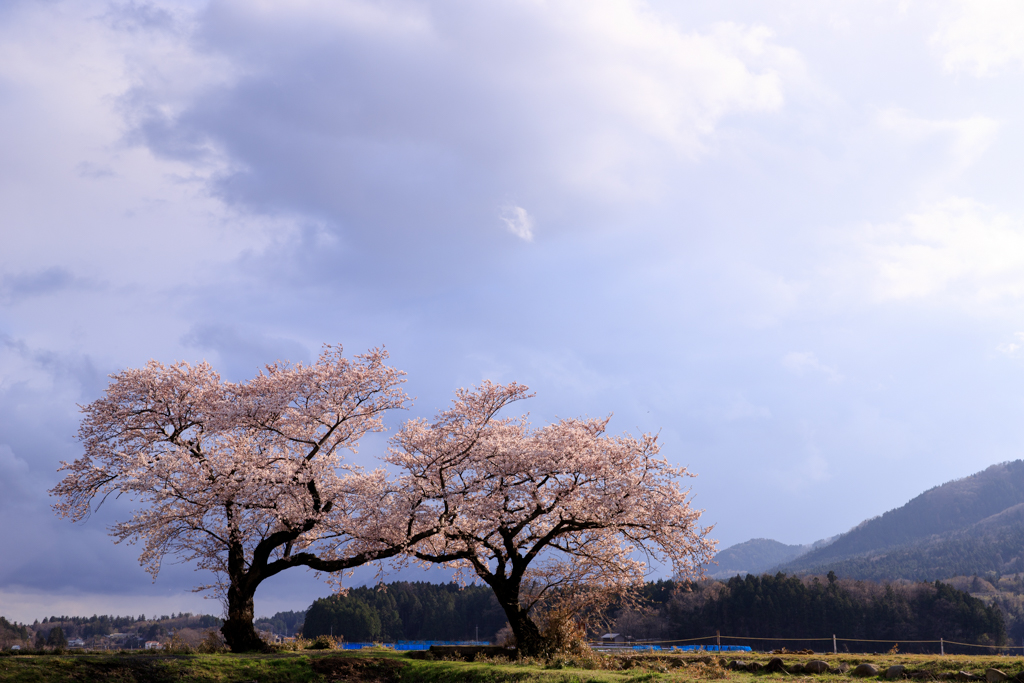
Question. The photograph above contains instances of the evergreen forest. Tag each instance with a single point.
(407, 611)
(782, 609)
(777, 607)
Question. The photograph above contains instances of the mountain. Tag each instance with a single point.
(758, 555)
(996, 544)
(967, 526)
(753, 557)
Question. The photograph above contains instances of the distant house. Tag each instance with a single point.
(76, 642)
(609, 638)
(152, 645)
(15, 647)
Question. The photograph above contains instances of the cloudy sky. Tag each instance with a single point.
(788, 236)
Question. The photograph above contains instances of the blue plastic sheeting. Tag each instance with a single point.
(714, 648)
(411, 644)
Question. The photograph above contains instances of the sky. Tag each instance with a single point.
(788, 237)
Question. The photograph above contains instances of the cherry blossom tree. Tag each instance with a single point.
(246, 479)
(535, 511)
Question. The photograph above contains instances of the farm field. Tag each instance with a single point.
(390, 667)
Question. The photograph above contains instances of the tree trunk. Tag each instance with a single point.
(238, 629)
(529, 642)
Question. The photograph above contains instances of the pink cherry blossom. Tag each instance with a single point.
(246, 479)
(558, 508)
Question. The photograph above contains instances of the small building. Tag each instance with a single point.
(76, 642)
(152, 645)
(611, 638)
(15, 647)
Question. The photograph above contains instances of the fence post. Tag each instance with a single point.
(835, 651)
(718, 640)
(942, 647)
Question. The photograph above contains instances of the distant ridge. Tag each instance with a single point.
(966, 526)
(753, 557)
(757, 555)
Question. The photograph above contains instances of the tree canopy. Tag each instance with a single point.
(246, 479)
(558, 509)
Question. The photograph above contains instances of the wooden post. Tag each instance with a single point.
(834, 650)
(942, 646)
(718, 640)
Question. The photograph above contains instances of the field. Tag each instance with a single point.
(379, 666)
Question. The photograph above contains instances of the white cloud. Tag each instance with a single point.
(957, 247)
(969, 137)
(1011, 348)
(518, 222)
(981, 37)
(805, 362)
(592, 97)
(71, 180)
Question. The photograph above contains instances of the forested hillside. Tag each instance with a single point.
(12, 633)
(107, 631)
(407, 611)
(979, 550)
(783, 606)
(942, 511)
(282, 623)
(760, 606)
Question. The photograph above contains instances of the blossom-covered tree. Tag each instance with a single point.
(558, 508)
(246, 479)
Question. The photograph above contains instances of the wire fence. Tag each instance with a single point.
(720, 643)
(409, 645)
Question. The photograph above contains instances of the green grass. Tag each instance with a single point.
(381, 666)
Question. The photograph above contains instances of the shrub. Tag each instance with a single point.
(323, 643)
(213, 643)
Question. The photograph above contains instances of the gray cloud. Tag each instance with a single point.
(40, 283)
(242, 353)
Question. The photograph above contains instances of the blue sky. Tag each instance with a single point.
(788, 236)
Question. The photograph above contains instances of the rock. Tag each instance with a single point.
(966, 676)
(816, 666)
(844, 667)
(995, 675)
(797, 668)
(894, 672)
(864, 670)
(754, 666)
(775, 665)
(738, 665)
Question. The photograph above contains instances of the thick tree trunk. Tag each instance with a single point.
(529, 642)
(238, 630)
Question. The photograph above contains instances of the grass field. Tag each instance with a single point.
(379, 666)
